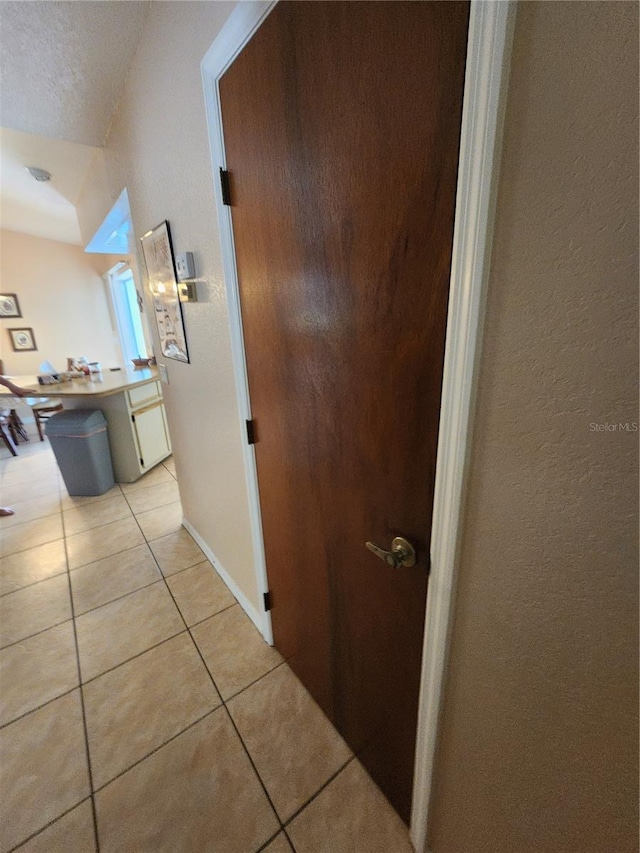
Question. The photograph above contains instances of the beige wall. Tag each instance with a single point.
(539, 740)
(95, 199)
(62, 298)
(158, 148)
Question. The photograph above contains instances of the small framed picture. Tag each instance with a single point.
(9, 305)
(22, 340)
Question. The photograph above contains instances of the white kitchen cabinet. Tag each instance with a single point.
(138, 434)
(152, 436)
(136, 419)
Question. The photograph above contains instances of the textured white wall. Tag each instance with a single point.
(61, 297)
(539, 744)
(95, 199)
(158, 148)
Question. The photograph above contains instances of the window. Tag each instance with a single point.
(128, 305)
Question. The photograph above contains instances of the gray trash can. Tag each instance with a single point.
(81, 447)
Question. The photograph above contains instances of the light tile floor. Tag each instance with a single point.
(140, 710)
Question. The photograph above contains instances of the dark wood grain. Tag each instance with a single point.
(341, 124)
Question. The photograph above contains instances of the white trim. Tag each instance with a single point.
(238, 29)
(488, 54)
(243, 601)
(489, 44)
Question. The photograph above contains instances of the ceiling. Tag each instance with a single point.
(42, 209)
(63, 66)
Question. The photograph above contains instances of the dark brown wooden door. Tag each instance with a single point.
(341, 126)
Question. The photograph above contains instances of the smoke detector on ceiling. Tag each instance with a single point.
(39, 174)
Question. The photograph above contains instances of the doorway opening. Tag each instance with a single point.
(127, 305)
(115, 236)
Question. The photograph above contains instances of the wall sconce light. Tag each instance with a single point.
(186, 273)
(187, 291)
(186, 285)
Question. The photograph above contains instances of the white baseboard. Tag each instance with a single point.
(242, 599)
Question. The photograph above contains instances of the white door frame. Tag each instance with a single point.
(486, 78)
(488, 56)
(236, 32)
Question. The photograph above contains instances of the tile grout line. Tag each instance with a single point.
(211, 615)
(145, 487)
(95, 500)
(101, 503)
(192, 566)
(115, 553)
(238, 733)
(81, 691)
(133, 657)
(331, 778)
(47, 825)
(38, 707)
(33, 583)
(269, 841)
(35, 495)
(158, 748)
(283, 824)
(127, 660)
(213, 681)
(36, 633)
(15, 504)
(108, 556)
(22, 550)
(255, 680)
(96, 526)
(119, 597)
(151, 508)
(251, 761)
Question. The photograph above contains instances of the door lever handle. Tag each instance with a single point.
(402, 553)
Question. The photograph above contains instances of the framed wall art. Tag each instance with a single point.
(22, 340)
(161, 274)
(9, 305)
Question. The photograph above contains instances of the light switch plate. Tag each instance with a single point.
(185, 268)
(164, 373)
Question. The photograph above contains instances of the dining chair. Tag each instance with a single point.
(5, 432)
(43, 408)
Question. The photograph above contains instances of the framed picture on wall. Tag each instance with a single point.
(22, 340)
(161, 275)
(9, 305)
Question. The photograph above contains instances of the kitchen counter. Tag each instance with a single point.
(131, 401)
(112, 382)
